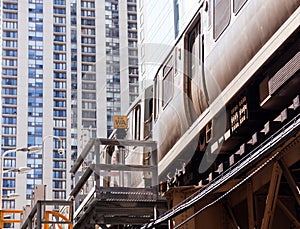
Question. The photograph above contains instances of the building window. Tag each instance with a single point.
(86, 4)
(10, 6)
(9, 120)
(59, 11)
(10, 34)
(10, 25)
(59, 164)
(11, 101)
(9, 91)
(59, 194)
(9, 110)
(59, 20)
(59, 2)
(59, 184)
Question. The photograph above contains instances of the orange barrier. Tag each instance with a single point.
(8, 211)
(47, 218)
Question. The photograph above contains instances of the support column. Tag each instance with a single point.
(250, 201)
(97, 173)
(1, 217)
(39, 215)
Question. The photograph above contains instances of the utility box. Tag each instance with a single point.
(39, 192)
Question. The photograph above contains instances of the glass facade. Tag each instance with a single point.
(60, 97)
(35, 92)
(88, 65)
(112, 44)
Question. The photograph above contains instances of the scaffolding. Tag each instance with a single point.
(122, 184)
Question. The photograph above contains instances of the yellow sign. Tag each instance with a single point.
(120, 122)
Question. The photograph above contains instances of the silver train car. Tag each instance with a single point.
(220, 82)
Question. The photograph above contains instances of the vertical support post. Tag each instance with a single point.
(97, 173)
(30, 224)
(39, 215)
(154, 164)
(154, 213)
(71, 215)
(251, 222)
(121, 150)
(272, 197)
(1, 217)
(46, 219)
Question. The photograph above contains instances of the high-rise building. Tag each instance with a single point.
(68, 66)
(104, 65)
(35, 110)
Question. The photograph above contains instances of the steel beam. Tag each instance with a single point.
(288, 213)
(272, 197)
(82, 156)
(231, 215)
(291, 180)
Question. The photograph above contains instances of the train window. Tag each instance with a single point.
(168, 75)
(221, 16)
(194, 50)
(237, 5)
(149, 109)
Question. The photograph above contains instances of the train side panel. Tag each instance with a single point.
(172, 116)
(226, 55)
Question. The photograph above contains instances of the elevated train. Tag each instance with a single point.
(233, 68)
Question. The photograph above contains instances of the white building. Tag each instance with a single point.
(160, 22)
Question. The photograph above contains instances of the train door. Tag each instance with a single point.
(137, 123)
(195, 65)
(148, 113)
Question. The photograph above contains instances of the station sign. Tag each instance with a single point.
(120, 122)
